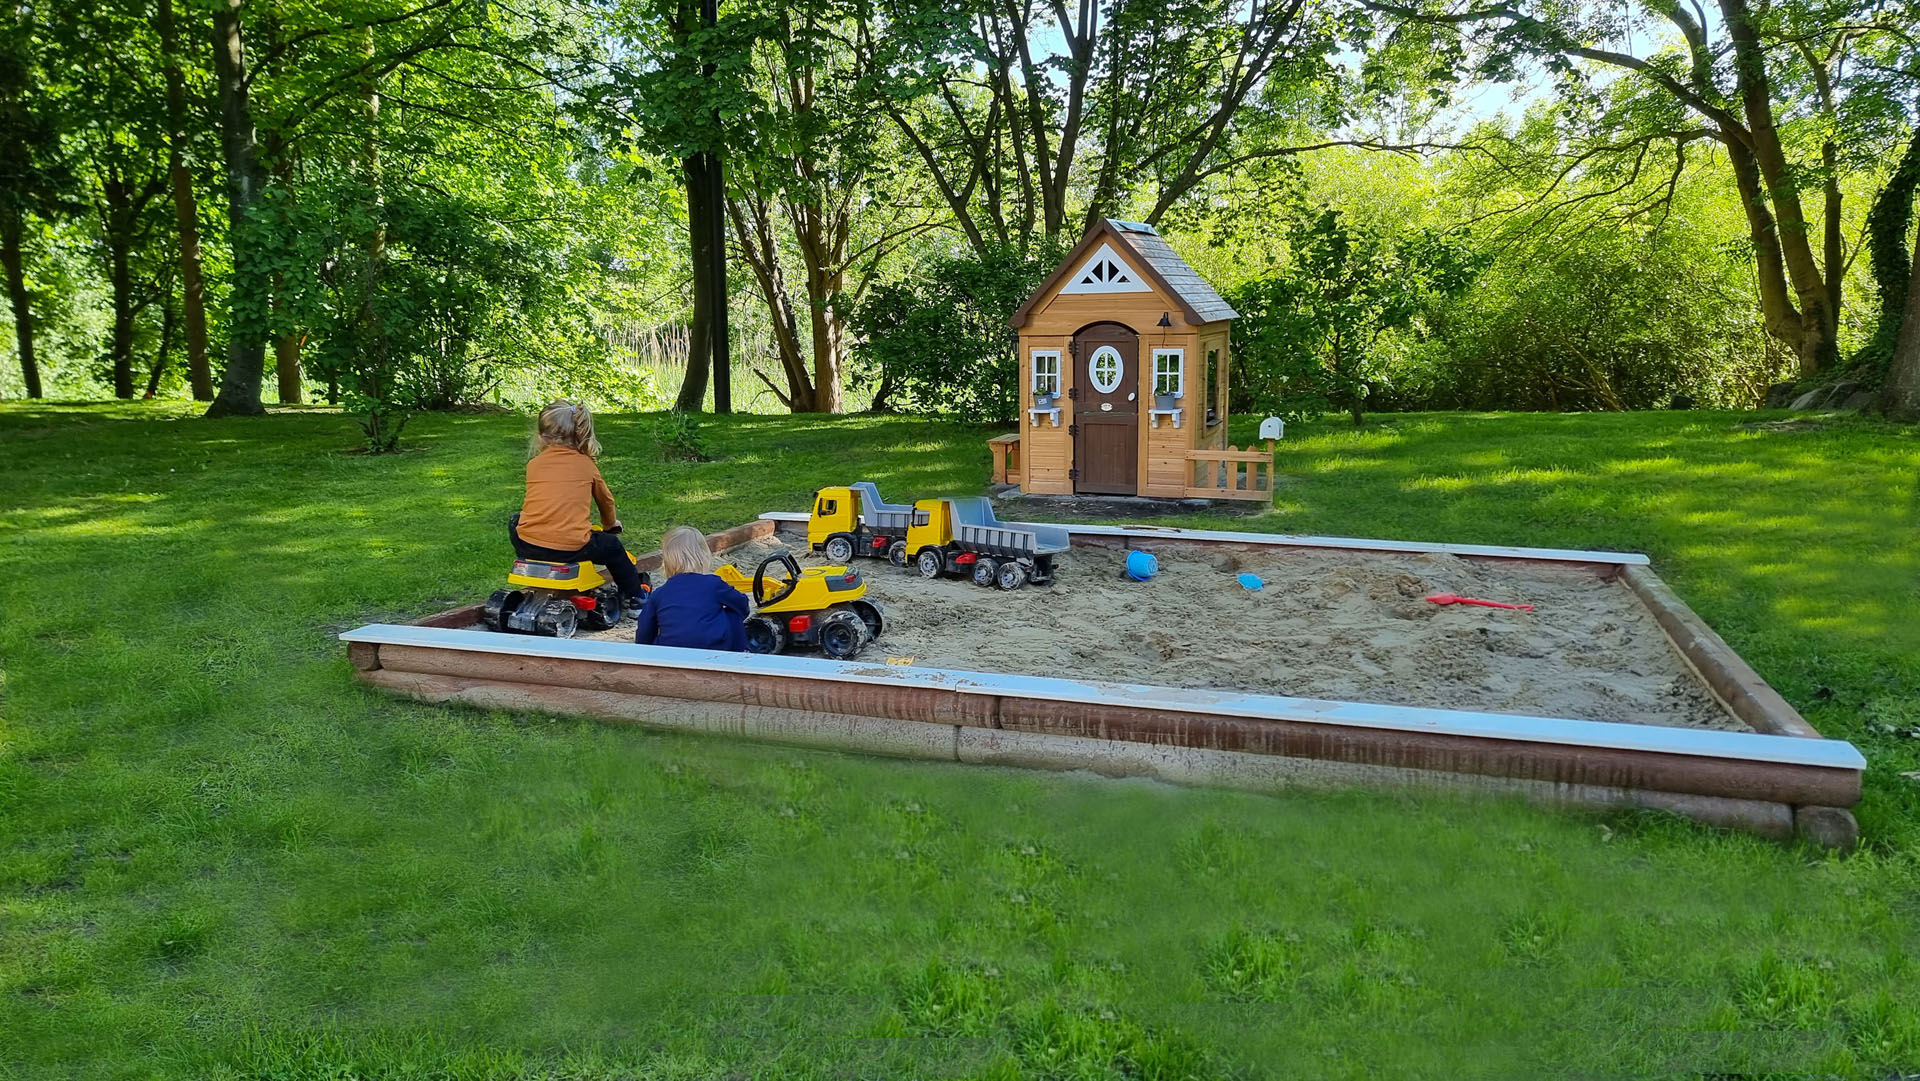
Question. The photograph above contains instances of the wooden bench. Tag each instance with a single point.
(1006, 459)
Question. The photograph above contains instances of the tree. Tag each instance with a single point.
(35, 177)
(1146, 100)
(239, 393)
(193, 305)
(1897, 334)
(677, 86)
(1311, 330)
(1736, 83)
(938, 340)
(820, 182)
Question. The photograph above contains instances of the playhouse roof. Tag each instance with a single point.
(1196, 298)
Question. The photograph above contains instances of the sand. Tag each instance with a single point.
(1335, 625)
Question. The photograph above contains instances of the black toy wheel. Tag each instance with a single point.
(931, 562)
(869, 613)
(559, 619)
(1011, 576)
(765, 636)
(842, 635)
(984, 570)
(607, 609)
(493, 615)
(897, 553)
(838, 549)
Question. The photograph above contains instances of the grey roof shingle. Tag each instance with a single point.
(1180, 277)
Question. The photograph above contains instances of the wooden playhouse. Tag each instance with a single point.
(1123, 356)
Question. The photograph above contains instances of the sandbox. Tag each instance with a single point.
(1610, 693)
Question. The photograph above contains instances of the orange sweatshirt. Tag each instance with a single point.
(560, 481)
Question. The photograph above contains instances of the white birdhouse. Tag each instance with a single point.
(1273, 428)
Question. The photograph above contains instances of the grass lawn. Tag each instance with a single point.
(219, 857)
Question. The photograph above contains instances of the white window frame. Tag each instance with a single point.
(1179, 370)
(1052, 376)
(1119, 369)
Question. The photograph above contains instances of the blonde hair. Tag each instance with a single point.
(566, 424)
(684, 551)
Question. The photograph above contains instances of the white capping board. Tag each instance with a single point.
(1699, 742)
(1147, 532)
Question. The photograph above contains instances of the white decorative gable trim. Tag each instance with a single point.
(1106, 272)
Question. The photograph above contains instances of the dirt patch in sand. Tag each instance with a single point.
(1351, 626)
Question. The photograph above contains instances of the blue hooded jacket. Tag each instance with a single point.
(698, 611)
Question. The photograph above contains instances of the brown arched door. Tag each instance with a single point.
(1106, 410)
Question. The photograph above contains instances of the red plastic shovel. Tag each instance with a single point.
(1455, 598)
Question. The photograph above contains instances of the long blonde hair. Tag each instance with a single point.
(566, 424)
(684, 551)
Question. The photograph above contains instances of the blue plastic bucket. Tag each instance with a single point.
(1142, 566)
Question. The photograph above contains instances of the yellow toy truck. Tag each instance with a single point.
(962, 536)
(852, 520)
(824, 607)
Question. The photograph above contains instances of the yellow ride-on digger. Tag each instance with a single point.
(826, 607)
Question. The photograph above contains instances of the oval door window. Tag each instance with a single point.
(1106, 369)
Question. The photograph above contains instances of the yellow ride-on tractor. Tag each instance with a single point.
(555, 599)
(826, 607)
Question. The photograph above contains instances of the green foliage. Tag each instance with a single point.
(938, 340)
(678, 435)
(1614, 322)
(1309, 335)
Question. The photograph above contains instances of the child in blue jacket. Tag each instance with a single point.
(693, 607)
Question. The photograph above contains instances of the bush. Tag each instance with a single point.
(1615, 321)
(938, 340)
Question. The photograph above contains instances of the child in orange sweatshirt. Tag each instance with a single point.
(562, 479)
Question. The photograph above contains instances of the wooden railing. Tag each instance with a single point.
(1230, 474)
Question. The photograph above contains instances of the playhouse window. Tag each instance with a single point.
(1169, 372)
(1106, 369)
(1213, 386)
(1046, 373)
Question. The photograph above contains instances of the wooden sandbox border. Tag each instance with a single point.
(1779, 780)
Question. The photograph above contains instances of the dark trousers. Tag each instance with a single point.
(603, 548)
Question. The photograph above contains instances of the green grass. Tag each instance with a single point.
(219, 857)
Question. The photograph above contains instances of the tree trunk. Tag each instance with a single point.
(160, 354)
(763, 256)
(1901, 398)
(1818, 347)
(11, 229)
(286, 346)
(720, 343)
(120, 261)
(700, 336)
(246, 346)
(1887, 222)
(193, 309)
(286, 364)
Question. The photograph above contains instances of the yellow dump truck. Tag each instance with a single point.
(852, 520)
(962, 536)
